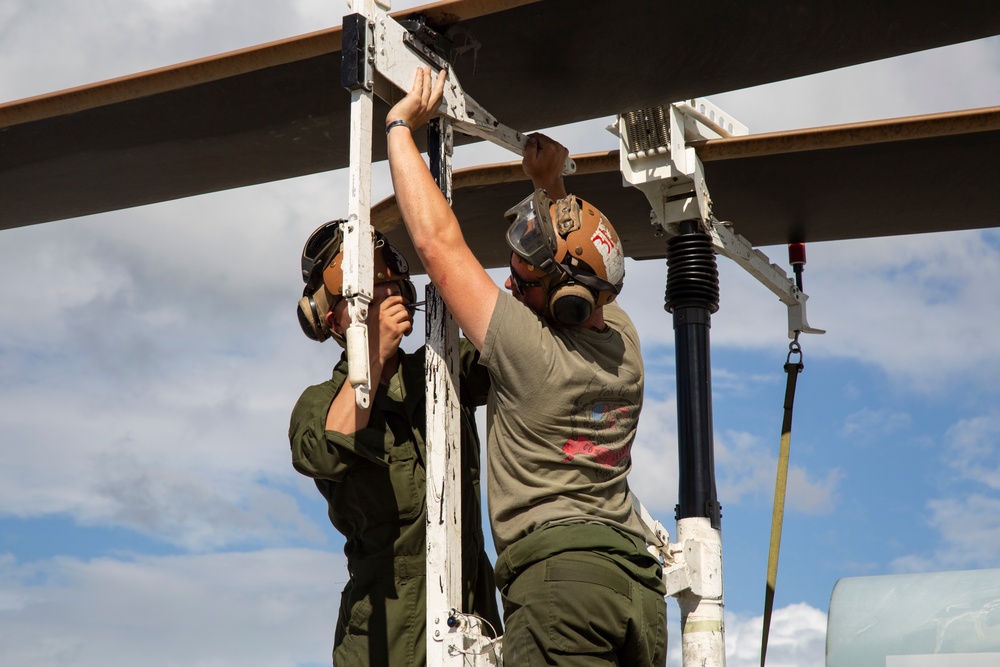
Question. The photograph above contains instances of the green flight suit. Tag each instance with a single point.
(374, 482)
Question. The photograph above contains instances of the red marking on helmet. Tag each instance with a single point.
(601, 236)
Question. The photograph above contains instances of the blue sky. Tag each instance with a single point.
(149, 359)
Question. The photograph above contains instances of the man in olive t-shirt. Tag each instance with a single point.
(578, 585)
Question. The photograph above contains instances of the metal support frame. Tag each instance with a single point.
(378, 56)
(772, 276)
(692, 296)
(655, 157)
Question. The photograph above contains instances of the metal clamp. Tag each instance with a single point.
(772, 276)
(400, 54)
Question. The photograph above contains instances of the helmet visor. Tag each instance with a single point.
(530, 233)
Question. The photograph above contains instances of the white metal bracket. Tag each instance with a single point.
(674, 569)
(772, 276)
(397, 56)
(656, 159)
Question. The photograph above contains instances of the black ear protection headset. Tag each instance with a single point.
(312, 310)
(322, 245)
(572, 304)
(319, 252)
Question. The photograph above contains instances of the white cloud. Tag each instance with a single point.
(867, 425)
(654, 475)
(955, 77)
(974, 448)
(967, 530)
(965, 525)
(199, 476)
(157, 356)
(797, 637)
(747, 471)
(268, 608)
(908, 305)
(733, 383)
(121, 37)
(745, 468)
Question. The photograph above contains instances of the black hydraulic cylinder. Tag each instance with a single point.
(692, 296)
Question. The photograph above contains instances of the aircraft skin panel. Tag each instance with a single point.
(852, 134)
(171, 78)
(907, 176)
(912, 187)
(277, 110)
(314, 45)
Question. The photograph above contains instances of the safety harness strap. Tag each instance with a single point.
(781, 482)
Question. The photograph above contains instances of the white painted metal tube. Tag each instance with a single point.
(703, 641)
(359, 245)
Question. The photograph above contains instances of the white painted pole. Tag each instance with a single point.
(358, 245)
(703, 641)
(444, 454)
(358, 237)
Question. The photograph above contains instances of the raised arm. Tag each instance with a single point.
(467, 289)
(389, 320)
(543, 162)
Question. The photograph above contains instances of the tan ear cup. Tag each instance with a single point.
(312, 316)
(308, 319)
(571, 305)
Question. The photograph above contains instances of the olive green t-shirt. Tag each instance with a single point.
(562, 413)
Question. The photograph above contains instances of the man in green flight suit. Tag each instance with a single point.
(369, 464)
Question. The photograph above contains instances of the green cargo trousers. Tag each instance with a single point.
(383, 610)
(578, 608)
(382, 618)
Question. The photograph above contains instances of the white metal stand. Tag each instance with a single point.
(453, 638)
(358, 236)
(655, 158)
(444, 506)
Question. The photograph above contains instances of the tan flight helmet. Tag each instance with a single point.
(573, 250)
(323, 274)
